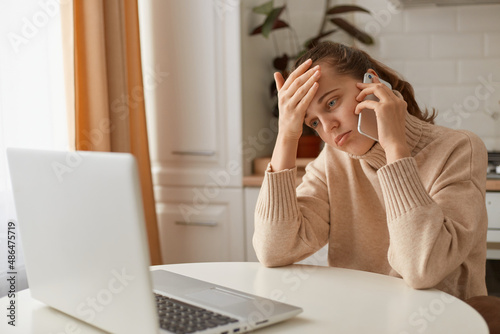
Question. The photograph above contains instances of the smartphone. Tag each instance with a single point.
(367, 121)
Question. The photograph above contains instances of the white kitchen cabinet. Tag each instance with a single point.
(191, 59)
(251, 195)
(493, 208)
(200, 224)
(192, 78)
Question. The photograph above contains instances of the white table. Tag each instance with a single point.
(334, 301)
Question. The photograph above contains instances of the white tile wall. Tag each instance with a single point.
(479, 18)
(452, 45)
(470, 70)
(429, 20)
(436, 72)
(451, 55)
(492, 45)
(399, 46)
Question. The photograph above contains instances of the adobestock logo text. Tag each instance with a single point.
(31, 26)
(95, 304)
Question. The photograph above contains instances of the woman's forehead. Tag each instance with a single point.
(331, 78)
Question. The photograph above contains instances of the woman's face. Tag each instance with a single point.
(331, 112)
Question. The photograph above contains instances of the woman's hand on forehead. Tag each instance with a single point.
(294, 97)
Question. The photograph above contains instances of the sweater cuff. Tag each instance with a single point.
(402, 187)
(277, 198)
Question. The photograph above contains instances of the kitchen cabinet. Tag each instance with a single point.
(191, 56)
(200, 226)
(493, 208)
(192, 86)
(251, 194)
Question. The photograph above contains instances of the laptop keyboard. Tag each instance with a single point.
(179, 317)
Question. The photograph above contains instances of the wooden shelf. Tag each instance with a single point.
(493, 185)
(260, 164)
(253, 180)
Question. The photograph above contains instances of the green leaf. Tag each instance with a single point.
(265, 8)
(352, 30)
(346, 9)
(277, 25)
(271, 20)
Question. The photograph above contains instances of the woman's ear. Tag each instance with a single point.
(372, 72)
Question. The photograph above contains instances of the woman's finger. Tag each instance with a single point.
(366, 104)
(297, 72)
(303, 88)
(398, 94)
(378, 89)
(280, 81)
(307, 99)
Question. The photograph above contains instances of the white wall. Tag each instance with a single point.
(449, 54)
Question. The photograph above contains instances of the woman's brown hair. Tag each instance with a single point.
(355, 62)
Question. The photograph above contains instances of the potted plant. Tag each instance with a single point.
(331, 22)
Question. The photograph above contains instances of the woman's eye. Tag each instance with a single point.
(332, 103)
(314, 124)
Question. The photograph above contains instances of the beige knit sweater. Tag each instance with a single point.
(421, 218)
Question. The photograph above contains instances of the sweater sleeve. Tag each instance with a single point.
(290, 224)
(432, 231)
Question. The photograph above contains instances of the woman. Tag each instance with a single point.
(411, 205)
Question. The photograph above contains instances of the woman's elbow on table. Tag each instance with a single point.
(421, 277)
(418, 275)
(421, 282)
(272, 251)
(271, 261)
(270, 255)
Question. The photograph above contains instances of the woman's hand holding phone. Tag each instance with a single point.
(391, 111)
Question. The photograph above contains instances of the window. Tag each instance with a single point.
(32, 97)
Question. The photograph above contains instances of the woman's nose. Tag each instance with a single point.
(329, 123)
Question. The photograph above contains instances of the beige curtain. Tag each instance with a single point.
(108, 91)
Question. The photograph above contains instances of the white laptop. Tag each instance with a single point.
(80, 216)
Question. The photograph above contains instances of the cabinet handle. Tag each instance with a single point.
(206, 153)
(207, 223)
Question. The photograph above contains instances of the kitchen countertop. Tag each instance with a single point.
(493, 185)
(260, 165)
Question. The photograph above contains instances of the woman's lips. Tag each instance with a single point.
(340, 139)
